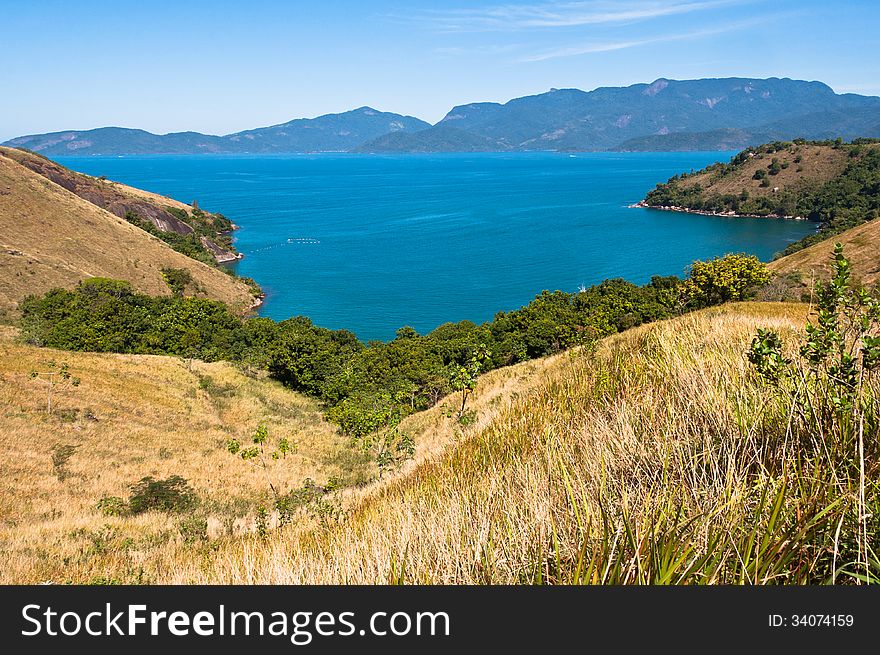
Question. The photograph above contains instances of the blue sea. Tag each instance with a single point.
(373, 242)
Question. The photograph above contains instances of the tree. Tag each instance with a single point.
(177, 279)
(406, 332)
(257, 454)
(56, 375)
(463, 378)
(723, 279)
(373, 419)
(61, 454)
(172, 494)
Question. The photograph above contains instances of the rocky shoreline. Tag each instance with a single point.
(731, 214)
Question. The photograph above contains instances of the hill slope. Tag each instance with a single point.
(332, 132)
(133, 416)
(632, 465)
(138, 415)
(747, 185)
(833, 183)
(50, 237)
(164, 214)
(441, 138)
(799, 270)
(660, 409)
(117, 141)
(847, 124)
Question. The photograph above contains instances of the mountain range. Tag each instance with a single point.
(705, 114)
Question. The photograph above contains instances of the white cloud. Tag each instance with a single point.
(609, 46)
(559, 15)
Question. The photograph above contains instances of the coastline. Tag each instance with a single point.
(641, 204)
(222, 255)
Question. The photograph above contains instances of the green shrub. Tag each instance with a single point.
(467, 419)
(723, 279)
(61, 455)
(193, 529)
(829, 396)
(214, 388)
(177, 279)
(170, 495)
(112, 506)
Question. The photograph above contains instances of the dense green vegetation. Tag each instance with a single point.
(190, 244)
(837, 205)
(368, 386)
(185, 244)
(214, 226)
(723, 280)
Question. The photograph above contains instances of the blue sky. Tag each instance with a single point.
(221, 66)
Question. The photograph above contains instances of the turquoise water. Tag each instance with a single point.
(371, 243)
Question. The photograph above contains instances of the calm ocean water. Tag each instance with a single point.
(371, 243)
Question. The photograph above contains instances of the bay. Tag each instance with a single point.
(374, 242)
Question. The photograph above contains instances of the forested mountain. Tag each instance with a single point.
(331, 132)
(707, 114)
(664, 115)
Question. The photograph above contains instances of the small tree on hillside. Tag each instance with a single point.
(831, 392)
(56, 376)
(723, 279)
(177, 279)
(463, 378)
(373, 420)
(261, 451)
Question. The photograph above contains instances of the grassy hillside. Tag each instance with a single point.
(835, 184)
(795, 274)
(132, 416)
(657, 457)
(199, 234)
(647, 461)
(50, 237)
(801, 168)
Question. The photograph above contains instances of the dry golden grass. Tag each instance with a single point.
(130, 417)
(662, 407)
(155, 416)
(860, 244)
(50, 237)
(23, 156)
(509, 497)
(642, 460)
(818, 164)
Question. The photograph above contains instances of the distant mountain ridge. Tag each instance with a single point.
(328, 133)
(705, 114)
